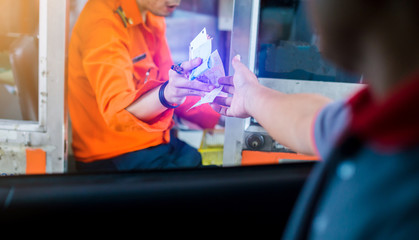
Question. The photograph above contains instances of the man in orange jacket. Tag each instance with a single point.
(122, 94)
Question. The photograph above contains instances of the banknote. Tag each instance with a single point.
(210, 70)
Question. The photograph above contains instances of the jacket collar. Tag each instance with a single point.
(132, 12)
(389, 124)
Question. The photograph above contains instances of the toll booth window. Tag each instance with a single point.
(19, 59)
(287, 46)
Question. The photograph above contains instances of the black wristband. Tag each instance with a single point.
(162, 99)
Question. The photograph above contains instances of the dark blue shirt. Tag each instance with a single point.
(373, 194)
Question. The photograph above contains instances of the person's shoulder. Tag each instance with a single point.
(330, 123)
(98, 10)
(98, 19)
(100, 5)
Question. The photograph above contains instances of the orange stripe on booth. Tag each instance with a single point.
(36, 161)
(258, 158)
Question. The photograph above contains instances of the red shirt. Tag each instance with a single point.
(103, 81)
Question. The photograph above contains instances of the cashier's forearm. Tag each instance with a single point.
(147, 107)
(288, 118)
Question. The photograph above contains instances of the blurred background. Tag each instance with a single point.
(18, 34)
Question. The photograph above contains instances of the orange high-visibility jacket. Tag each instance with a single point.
(103, 81)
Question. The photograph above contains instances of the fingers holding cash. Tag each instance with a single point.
(179, 86)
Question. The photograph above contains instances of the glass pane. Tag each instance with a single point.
(19, 59)
(287, 46)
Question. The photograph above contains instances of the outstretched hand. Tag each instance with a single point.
(237, 85)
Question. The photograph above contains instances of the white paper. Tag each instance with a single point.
(203, 52)
(197, 41)
(209, 98)
(211, 68)
(200, 47)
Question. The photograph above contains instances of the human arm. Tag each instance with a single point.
(288, 118)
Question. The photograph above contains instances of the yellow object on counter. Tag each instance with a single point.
(212, 147)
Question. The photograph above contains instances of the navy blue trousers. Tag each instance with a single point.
(176, 154)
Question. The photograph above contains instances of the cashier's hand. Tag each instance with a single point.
(238, 86)
(179, 86)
